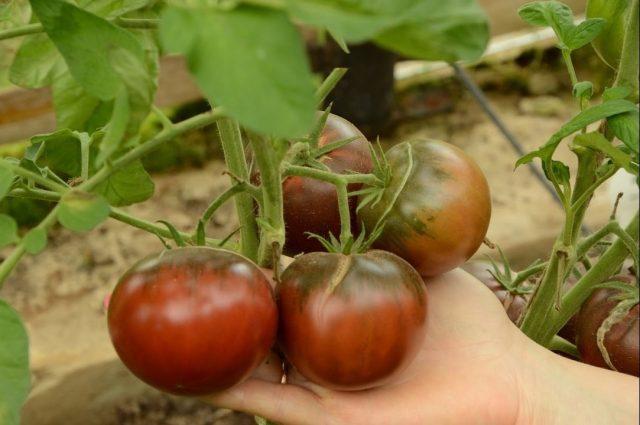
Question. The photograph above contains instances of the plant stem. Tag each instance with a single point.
(314, 173)
(234, 157)
(560, 344)
(608, 264)
(329, 83)
(37, 28)
(345, 216)
(628, 68)
(226, 195)
(585, 177)
(34, 193)
(164, 119)
(23, 172)
(566, 55)
(272, 230)
(526, 274)
(10, 262)
(613, 227)
(120, 215)
(164, 136)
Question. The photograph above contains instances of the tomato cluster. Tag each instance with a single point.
(198, 320)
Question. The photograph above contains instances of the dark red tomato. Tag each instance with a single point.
(350, 322)
(194, 320)
(514, 304)
(622, 341)
(311, 205)
(442, 215)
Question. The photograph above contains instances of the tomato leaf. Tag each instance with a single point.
(14, 365)
(584, 33)
(6, 180)
(35, 240)
(452, 31)
(113, 8)
(60, 151)
(249, 60)
(127, 186)
(580, 121)
(75, 108)
(117, 127)
(36, 62)
(8, 230)
(552, 14)
(625, 128)
(600, 143)
(82, 211)
(619, 92)
(583, 89)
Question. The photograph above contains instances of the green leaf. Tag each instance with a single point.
(580, 121)
(452, 31)
(583, 89)
(619, 92)
(584, 33)
(75, 108)
(82, 211)
(427, 29)
(8, 230)
(14, 365)
(117, 127)
(36, 62)
(35, 240)
(60, 151)
(6, 180)
(352, 21)
(113, 8)
(85, 41)
(249, 60)
(549, 14)
(625, 128)
(600, 143)
(128, 186)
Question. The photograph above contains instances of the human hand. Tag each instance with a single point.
(475, 367)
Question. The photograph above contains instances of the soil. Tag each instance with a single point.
(77, 378)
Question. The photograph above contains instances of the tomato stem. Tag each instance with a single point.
(14, 257)
(121, 22)
(329, 177)
(272, 230)
(346, 237)
(560, 344)
(235, 159)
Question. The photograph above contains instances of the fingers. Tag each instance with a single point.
(288, 404)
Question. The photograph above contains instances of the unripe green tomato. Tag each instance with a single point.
(608, 44)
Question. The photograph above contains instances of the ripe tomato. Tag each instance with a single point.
(441, 216)
(621, 341)
(194, 320)
(311, 205)
(608, 45)
(350, 322)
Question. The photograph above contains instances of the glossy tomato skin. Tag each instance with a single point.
(442, 215)
(311, 205)
(622, 341)
(351, 322)
(609, 43)
(193, 321)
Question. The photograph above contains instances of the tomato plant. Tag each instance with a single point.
(351, 322)
(608, 332)
(440, 218)
(193, 320)
(609, 43)
(310, 205)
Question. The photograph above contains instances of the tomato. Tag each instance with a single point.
(621, 341)
(350, 322)
(194, 320)
(608, 45)
(311, 205)
(513, 303)
(441, 216)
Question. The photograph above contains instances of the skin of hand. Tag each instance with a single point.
(475, 367)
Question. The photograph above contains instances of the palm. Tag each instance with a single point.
(464, 373)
